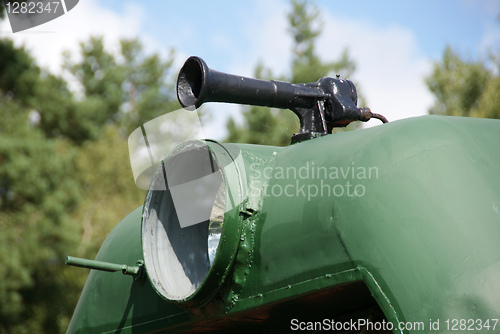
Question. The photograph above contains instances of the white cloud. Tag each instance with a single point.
(268, 40)
(390, 70)
(390, 67)
(263, 39)
(490, 40)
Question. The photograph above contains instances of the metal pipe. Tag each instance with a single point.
(100, 265)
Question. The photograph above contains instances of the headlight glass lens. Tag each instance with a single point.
(183, 220)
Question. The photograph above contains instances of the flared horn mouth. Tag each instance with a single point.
(190, 82)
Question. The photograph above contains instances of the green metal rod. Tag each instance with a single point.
(100, 265)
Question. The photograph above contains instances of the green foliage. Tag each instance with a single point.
(128, 89)
(19, 73)
(465, 88)
(65, 177)
(275, 127)
(35, 198)
(120, 92)
(108, 190)
(305, 26)
(263, 125)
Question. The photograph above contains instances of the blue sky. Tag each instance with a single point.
(460, 23)
(434, 23)
(394, 43)
(194, 27)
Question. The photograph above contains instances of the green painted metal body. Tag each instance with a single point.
(418, 222)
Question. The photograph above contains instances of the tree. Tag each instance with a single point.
(36, 197)
(305, 26)
(128, 90)
(65, 177)
(465, 88)
(108, 191)
(120, 93)
(19, 73)
(276, 127)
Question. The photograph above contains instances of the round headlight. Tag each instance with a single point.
(184, 218)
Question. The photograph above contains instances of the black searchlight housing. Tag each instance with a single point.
(190, 221)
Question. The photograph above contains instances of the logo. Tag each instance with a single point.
(31, 13)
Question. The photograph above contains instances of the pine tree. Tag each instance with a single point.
(36, 199)
(465, 87)
(65, 178)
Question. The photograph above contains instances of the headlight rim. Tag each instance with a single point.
(231, 229)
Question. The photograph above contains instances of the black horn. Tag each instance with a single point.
(320, 106)
(197, 84)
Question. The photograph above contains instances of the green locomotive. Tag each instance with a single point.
(391, 229)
